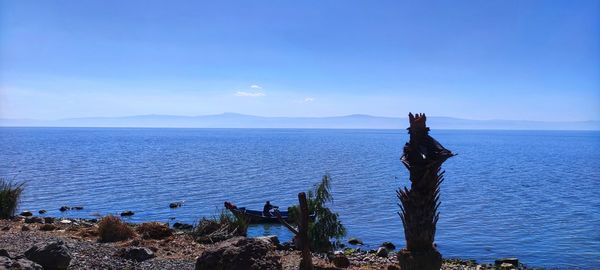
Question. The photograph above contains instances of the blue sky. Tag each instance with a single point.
(529, 60)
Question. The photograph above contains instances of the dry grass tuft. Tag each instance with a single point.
(220, 228)
(112, 229)
(10, 193)
(88, 232)
(154, 230)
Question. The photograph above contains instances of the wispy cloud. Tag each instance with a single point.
(255, 86)
(309, 99)
(249, 94)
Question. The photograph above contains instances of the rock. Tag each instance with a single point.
(239, 253)
(25, 228)
(4, 253)
(355, 241)
(137, 254)
(393, 267)
(270, 239)
(506, 266)
(382, 252)
(388, 245)
(55, 255)
(77, 208)
(182, 226)
(34, 220)
(341, 261)
(425, 260)
(47, 227)
(6, 228)
(289, 245)
(64, 208)
(26, 214)
(66, 221)
(41, 212)
(175, 204)
(127, 213)
(512, 261)
(22, 264)
(49, 220)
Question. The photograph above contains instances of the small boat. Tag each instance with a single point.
(257, 217)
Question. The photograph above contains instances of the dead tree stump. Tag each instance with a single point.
(423, 157)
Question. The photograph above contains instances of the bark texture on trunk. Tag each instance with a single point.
(423, 157)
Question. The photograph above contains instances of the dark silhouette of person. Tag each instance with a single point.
(267, 209)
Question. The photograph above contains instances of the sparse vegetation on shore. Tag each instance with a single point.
(178, 251)
(10, 194)
(112, 229)
(327, 225)
(219, 228)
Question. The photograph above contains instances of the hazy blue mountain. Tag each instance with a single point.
(358, 121)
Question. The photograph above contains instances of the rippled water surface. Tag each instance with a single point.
(529, 194)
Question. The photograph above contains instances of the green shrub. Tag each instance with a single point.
(10, 194)
(327, 225)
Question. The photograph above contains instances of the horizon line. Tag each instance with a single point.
(262, 116)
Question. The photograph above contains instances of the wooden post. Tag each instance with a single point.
(306, 261)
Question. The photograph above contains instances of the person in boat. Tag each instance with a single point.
(267, 209)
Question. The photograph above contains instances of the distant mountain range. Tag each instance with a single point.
(355, 121)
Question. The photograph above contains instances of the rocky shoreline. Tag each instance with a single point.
(77, 238)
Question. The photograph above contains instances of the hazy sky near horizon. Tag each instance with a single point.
(508, 59)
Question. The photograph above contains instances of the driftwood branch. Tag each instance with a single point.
(287, 225)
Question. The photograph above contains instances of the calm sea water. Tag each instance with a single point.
(529, 194)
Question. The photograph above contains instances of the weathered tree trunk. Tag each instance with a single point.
(301, 234)
(423, 157)
(306, 262)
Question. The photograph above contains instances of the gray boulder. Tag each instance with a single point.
(55, 255)
(513, 261)
(21, 264)
(271, 239)
(175, 204)
(388, 245)
(355, 241)
(340, 261)
(136, 253)
(34, 220)
(182, 226)
(49, 220)
(239, 253)
(47, 227)
(127, 213)
(382, 252)
(4, 253)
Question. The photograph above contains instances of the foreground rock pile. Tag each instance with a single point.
(50, 243)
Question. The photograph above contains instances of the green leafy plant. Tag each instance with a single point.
(326, 225)
(10, 194)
